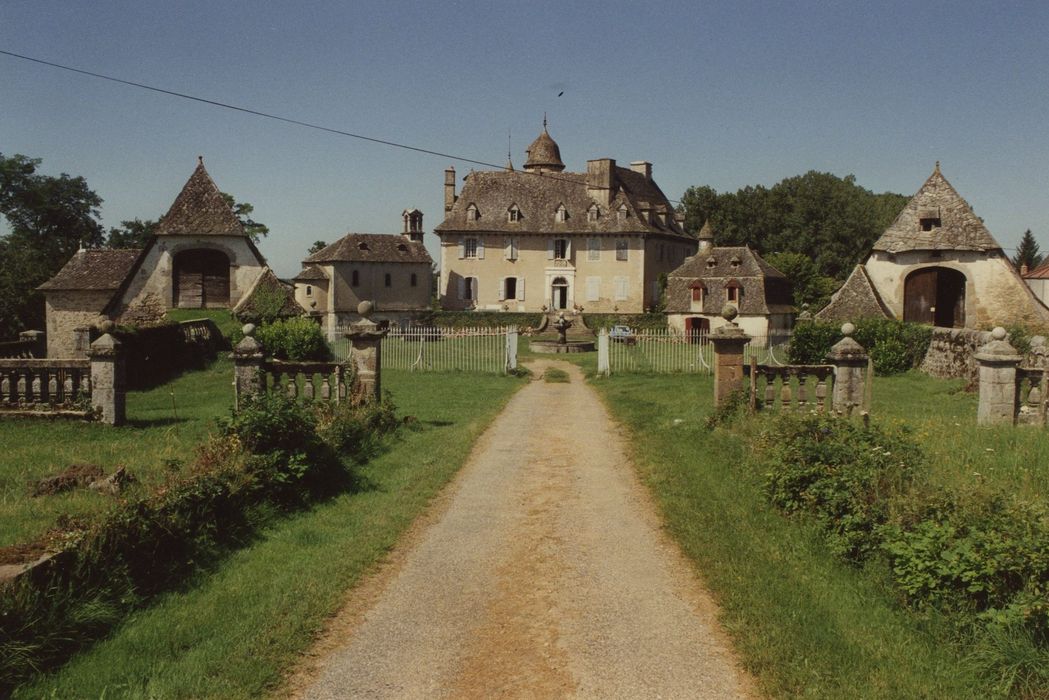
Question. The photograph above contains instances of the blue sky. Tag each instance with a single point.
(720, 94)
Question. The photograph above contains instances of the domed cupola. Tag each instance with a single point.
(544, 154)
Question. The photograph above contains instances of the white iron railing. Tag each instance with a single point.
(668, 351)
(491, 350)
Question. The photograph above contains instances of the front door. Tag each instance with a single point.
(935, 295)
(559, 293)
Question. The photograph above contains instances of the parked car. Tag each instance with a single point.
(622, 334)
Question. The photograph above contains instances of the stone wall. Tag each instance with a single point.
(951, 351)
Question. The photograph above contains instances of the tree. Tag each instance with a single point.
(317, 247)
(1027, 253)
(131, 234)
(243, 211)
(808, 286)
(49, 218)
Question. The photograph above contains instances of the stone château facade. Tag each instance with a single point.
(543, 238)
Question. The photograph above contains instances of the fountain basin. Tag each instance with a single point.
(553, 347)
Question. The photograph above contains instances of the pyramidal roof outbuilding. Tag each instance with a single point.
(937, 218)
(200, 210)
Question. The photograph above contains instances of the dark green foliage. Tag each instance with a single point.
(1027, 252)
(734, 407)
(155, 354)
(842, 473)
(50, 218)
(317, 247)
(830, 219)
(894, 346)
(356, 429)
(638, 322)
(808, 286)
(243, 211)
(297, 339)
(468, 319)
(131, 234)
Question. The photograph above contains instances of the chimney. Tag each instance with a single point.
(1023, 269)
(601, 180)
(449, 189)
(643, 167)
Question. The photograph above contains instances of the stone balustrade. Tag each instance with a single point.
(309, 381)
(29, 383)
(789, 387)
(1032, 393)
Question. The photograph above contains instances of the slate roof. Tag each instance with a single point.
(200, 210)
(855, 299)
(372, 247)
(765, 289)
(310, 273)
(544, 153)
(94, 270)
(538, 195)
(262, 292)
(960, 228)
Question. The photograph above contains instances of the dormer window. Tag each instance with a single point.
(362, 246)
(735, 261)
(561, 215)
(733, 291)
(402, 247)
(513, 214)
(622, 212)
(698, 291)
(471, 213)
(593, 213)
(712, 262)
(929, 218)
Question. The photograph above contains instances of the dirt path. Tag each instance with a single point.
(543, 573)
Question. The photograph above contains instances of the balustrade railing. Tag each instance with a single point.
(308, 381)
(38, 384)
(1032, 395)
(789, 387)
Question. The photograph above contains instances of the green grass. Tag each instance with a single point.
(555, 376)
(227, 324)
(235, 632)
(805, 624)
(165, 423)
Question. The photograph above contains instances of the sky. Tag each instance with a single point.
(725, 94)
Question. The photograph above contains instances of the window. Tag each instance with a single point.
(593, 213)
(621, 288)
(468, 288)
(471, 213)
(309, 291)
(621, 249)
(510, 288)
(510, 248)
(621, 213)
(593, 249)
(514, 214)
(355, 278)
(930, 223)
(415, 280)
(697, 294)
(593, 288)
(733, 291)
(387, 279)
(561, 215)
(561, 249)
(929, 218)
(470, 248)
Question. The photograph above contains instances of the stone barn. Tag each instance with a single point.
(938, 264)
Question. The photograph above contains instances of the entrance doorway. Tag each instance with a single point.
(935, 295)
(201, 279)
(559, 293)
(696, 328)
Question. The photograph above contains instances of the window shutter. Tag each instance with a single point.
(462, 287)
(502, 289)
(508, 248)
(550, 249)
(593, 288)
(475, 289)
(480, 249)
(520, 289)
(462, 254)
(568, 248)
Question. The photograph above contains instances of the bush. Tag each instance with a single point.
(894, 346)
(648, 322)
(296, 339)
(355, 430)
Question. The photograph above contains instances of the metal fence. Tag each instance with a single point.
(491, 350)
(667, 351)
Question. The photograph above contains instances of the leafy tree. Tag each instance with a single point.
(49, 219)
(131, 234)
(807, 284)
(1027, 253)
(317, 247)
(243, 211)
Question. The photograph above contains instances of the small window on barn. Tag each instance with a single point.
(355, 278)
(415, 280)
(309, 291)
(929, 219)
(387, 279)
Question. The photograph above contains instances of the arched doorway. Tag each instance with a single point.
(201, 279)
(559, 293)
(935, 295)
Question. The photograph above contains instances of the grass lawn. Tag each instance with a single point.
(234, 632)
(805, 624)
(225, 321)
(164, 424)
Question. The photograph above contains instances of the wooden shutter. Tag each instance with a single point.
(462, 253)
(520, 289)
(502, 289)
(462, 287)
(480, 248)
(550, 249)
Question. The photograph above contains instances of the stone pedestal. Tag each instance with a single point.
(729, 341)
(997, 362)
(850, 368)
(39, 341)
(108, 381)
(247, 367)
(366, 354)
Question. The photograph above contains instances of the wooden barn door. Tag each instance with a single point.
(201, 279)
(919, 296)
(935, 295)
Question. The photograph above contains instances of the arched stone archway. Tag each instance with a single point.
(200, 279)
(935, 295)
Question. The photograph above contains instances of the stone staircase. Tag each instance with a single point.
(576, 332)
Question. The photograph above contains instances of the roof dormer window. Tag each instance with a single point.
(712, 262)
(735, 261)
(362, 246)
(402, 247)
(513, 214)
(471, 213)
(561, 215)
(593, 213)
(929, 219)
(622, 212)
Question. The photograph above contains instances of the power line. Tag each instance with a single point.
(276, 117)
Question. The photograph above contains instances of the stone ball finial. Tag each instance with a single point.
(106, 327)
(729, 312)
(365, 308)
(847, 329)
(248, 329)
(999, 333)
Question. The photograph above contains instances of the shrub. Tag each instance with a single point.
(296, 339)
(894, 346)
(355, 430)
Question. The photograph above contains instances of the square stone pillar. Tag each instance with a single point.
(850, 367)
(247, 367)
(365, 339)
(108, 380)
(729, 341)
(997, 362)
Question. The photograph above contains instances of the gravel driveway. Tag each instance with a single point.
(541, 573)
